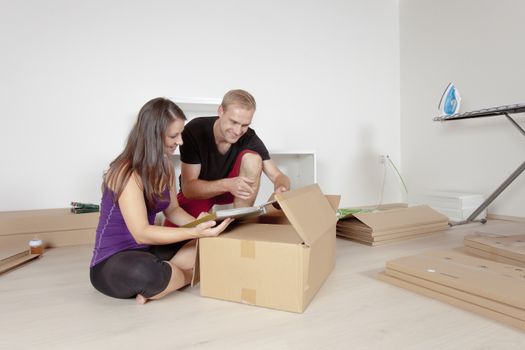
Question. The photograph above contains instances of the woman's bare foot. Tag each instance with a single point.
(141, 299)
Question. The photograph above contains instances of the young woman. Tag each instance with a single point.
(132, 256)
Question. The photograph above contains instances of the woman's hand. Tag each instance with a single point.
(207, 229)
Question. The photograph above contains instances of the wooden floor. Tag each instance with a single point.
(50, 304)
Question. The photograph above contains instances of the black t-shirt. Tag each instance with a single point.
(199, 148)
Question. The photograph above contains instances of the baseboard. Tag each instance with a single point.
(505, 217)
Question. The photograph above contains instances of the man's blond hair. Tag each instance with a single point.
(240, 98)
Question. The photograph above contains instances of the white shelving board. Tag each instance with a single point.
(197, 106)
(300, 167)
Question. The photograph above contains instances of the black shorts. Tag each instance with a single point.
(131, 272)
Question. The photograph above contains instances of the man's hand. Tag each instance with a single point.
(281, 189)
(241, 187)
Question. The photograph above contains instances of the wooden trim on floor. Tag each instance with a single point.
(505, 217)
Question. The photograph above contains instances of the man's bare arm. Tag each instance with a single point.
(281, 182)
(194, 188)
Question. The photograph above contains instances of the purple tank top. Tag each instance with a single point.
(113, 235)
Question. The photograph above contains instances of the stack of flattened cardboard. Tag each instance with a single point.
(487, 287)
(507, 249)
(391, 225)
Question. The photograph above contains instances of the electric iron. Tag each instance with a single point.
(450, 101)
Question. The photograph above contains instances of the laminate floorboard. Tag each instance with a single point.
(50, 304)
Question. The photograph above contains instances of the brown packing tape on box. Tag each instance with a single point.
(249, 296)
(454, 301)
(248, 249)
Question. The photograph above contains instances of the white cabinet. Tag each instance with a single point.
(197, 106)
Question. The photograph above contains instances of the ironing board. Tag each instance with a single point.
(490, 112)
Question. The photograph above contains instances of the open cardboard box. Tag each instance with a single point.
(278, 260)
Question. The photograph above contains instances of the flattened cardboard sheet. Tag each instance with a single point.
(47, 220)
(371, 242)
(384, 235)
(489, 256)
(458, 294)
(498, 316)
(508, 246)
(16, 260)
(402, 218)
(480, 277)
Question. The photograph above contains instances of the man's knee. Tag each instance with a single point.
(185, 257)
(252, 163)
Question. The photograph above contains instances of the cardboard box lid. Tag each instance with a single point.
(309, 212)
(404, 217)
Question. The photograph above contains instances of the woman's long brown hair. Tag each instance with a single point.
(144, 152)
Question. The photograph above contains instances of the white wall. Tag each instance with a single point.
(75, 73)
(477, 44)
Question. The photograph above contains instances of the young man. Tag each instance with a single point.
(222, 158)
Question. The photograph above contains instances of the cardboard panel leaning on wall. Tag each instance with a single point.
(56, 227)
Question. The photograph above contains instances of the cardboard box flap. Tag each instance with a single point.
(399, 218)
(309, 212)
(333, 200)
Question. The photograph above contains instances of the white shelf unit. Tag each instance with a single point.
(300, 167)
(197, 106)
